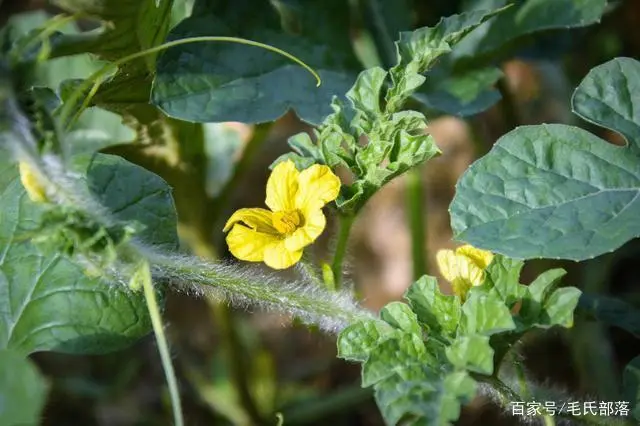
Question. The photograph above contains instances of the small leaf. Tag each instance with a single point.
(558, 308)
(437, 311)
(472, 352)
(365, 93)
(23, 390)
(485, 315)
(538, 292)
(393, 355)
(422, 397)
(631, 386)
(400, 316)
(503, 274)
(358, 340)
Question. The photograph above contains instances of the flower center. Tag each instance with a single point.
(286, 221)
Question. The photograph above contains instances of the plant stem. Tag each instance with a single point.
(415, 207)
(346, 221)
(163, 346)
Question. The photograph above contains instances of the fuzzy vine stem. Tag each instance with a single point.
(417, 222)
(345, 223)
(95, 80)
(163, 346)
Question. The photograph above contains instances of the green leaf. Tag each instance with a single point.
(358, 340)
(149, 201)
(558, 308)
(608, 97)
(131, 26)
(461, 93)
(208, 82)
(424, 398)
(550, 191)
(437, 311)
(401, 317)
(393, 355)
(611, 311)
(464, 84)
(485, 315)
(538, 292)
(417, 51)
(365, 93)
(527, 17)
(472, 352)
(631, 386)
(503, 275)
(47, 301)
(23, 390)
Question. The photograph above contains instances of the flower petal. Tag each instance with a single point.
(314, 224)
(455, 266)
(257, 219)
(250, 245)
(318, 185)
(447, 263)
(282, 187)
(277, 256)
(481, 258)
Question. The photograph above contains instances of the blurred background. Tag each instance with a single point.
(243, 367)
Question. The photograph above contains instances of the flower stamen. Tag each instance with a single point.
(286, 222)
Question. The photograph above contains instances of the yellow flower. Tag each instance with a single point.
(278, 236)
(35, 190)
(464, 268)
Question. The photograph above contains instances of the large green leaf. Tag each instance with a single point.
(214, 81)
(46, 301)
(557, 191)
(22, 390)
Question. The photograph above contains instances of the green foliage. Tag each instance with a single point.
(236, 75)
(463, 84)
(22, 390)
(396, 140)
(50, 303)
(424, 359)
(557, 191)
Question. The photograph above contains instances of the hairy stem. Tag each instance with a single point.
(332, 311)
(417, 219)
(346, 221)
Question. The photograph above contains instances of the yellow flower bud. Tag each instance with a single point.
(35, 190)
(463, 268)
